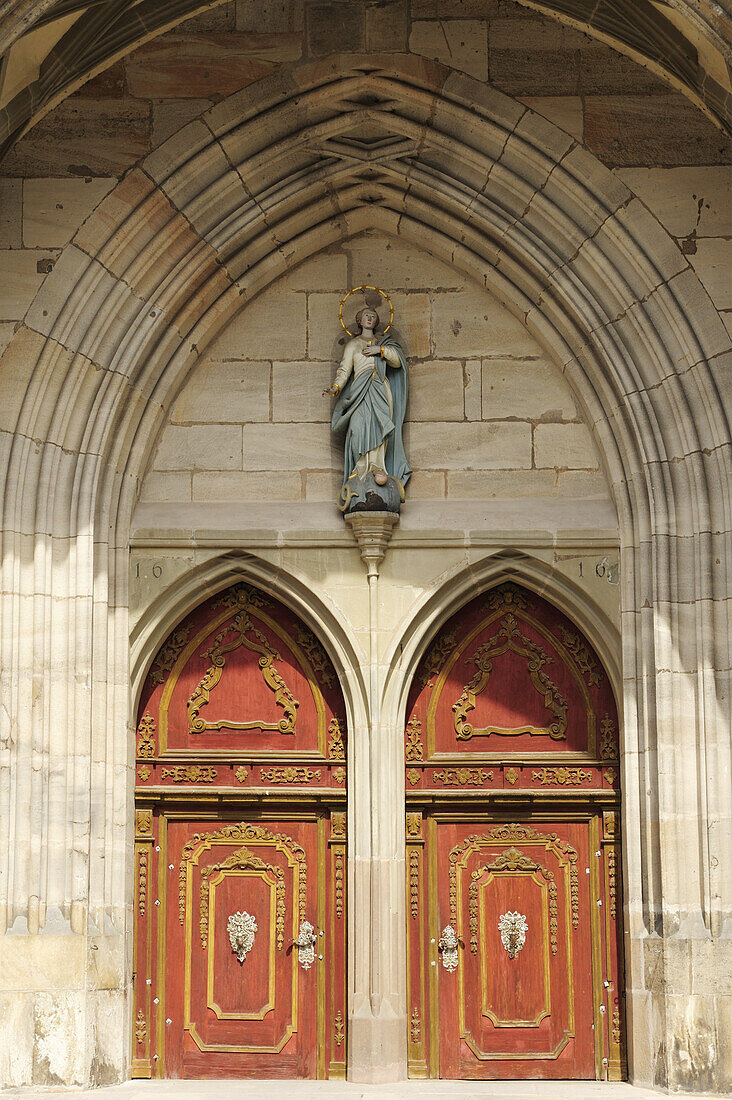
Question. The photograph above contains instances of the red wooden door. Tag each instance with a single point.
(515, 996)
(247, 1007)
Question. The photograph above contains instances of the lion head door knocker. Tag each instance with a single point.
(305, 944)
(513, 929)
(447, 945)
(241, 928)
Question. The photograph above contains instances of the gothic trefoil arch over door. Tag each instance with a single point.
(240, 849)
(513, 859)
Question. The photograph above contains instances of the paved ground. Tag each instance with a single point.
(341, 1090)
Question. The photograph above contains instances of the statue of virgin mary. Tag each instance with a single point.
(370, 387)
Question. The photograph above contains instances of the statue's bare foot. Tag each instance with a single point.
(380, 477)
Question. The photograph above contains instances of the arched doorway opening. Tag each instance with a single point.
(240, 849)
(514, 916)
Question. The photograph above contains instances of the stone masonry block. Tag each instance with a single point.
(522, 484)
(10, 213)
(633, 131)
(686, 201)
(53, 209)
(334, 27)
(199, 66)
(22, 272)
(84, 137)
(565, 446)
(168, 115)
(712, 262)
(436, 391)
(297, 392)
(453, 9)
(327, 271)
(386, 25)
(224, 393)
(468, 445)
(165, 487)
(566, 112)
(226, 486)
(472, 323)
(284, 447)
(460, 43)
(390, 263)
(210, 447)
(527, 389)
(273, 326)
(278, 16)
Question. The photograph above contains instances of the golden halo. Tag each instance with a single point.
(365, 287)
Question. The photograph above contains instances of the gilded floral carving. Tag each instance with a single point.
(336, 748)
(189, 773)
(414, 747)
(562, 776)
(585, 661)
(146, 737)
(288, 775)
(461, 777)
(413, 777)
(316, 655)
(169, 654)
(441, 649)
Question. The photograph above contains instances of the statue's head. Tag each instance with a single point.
(367, 318)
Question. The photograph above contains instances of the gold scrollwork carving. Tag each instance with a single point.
(414, 825)
(506, 596)
(338, 826)
(142, 881)
(146, 737)
(336, 748)
(240, 627)
(243, 860)
(415, 1030)
(608, 736)
(140, 1028)
(441, 648)
(317, 656)
(585, 662)
(339, 1032)
(169, 654)
(513, 860)
(509, 637)
(562, 776)
(143, 823)
(611, 880)
(189, 773)
(241, 832)
(414, 883)
(414, 748)
(609, 776)
(338, 874)
(413, 777)
(241, 595)
(515, 832)
(461, 777)
(288, 775)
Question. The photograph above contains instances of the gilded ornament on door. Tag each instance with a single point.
(506, 595)
(305, 944)
(338, 825)
(413, 776)
(513, 928)
(242, 595)
(414, 883)
(509, 637)
(338, 874)
(414, 747)
(608, 736)
(143, 773)
(454, 777)
(241, 632)
(433, 662)
(243, 860)
(141, 881)
(609, 776)
(169, 654)
(140, 1028)
(190, 773)
(511, 775)
(316, 655)
(339, 774)
(562, 776)
(415, 1031)
(448, 948)
(143, 823)
(414, 825)
(336, 748)
(513, 860)
(585, 662)
(288, 775)
(146, 737)
(242, 774)
(611, 883)
(241, 928)
(339, 1033)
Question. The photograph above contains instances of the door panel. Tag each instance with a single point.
(519, 1003)
(255, 1014)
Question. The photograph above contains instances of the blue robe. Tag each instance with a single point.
(362, 412)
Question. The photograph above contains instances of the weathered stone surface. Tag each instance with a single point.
(460, 43)
(278, 16)
(227, 486)
(297, 392)
(273, 326)
(526, 389)
(476, 446)
(436, 391)
(712, 261)
(386, 25)
(53, 209)
(334, 27)
(169, 115)
(474, 324)
(213, 447)
(279, 447)
(628, 131)
(201, 66)
(225, 393)
(686, 200)
(22, 272)
(10, 213)
(566, 112)
(566, 446)
(84, 137)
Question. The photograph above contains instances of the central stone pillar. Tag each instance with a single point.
(378, 1023)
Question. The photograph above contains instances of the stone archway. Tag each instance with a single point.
(267, 178)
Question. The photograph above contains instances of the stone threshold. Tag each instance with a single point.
(348, 1090)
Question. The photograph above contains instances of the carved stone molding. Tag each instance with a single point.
(372, 531)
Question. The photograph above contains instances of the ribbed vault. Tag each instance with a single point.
(259, 183)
